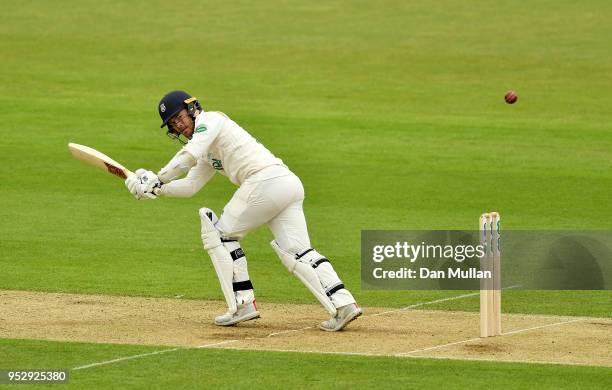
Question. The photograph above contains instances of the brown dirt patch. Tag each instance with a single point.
(290, 327)
(483, 349)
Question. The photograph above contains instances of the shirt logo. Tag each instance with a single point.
(162, 107)
(201, 128)
(217, 164)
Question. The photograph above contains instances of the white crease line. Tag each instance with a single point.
(436, 301)
(542, 326)
(125, 358)
(148, 354)
(423, 304)
(275, 333)
(480, 338)
(373, 354)
(436, 347)
(288, 331)
(503, 361)
(311, 351)
(219, 343)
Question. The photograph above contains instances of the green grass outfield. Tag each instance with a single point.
(197, 368)
(392, 115)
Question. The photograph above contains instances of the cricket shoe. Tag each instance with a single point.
(344, 315)
(245, 312)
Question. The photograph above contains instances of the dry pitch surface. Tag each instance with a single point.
(289, 327)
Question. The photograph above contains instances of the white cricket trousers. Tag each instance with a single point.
(272, 196)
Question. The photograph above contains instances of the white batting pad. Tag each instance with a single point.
(220, 257)
(307, 275)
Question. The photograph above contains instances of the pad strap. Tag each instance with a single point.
(334, 289)
(244, 285)
(300, 255)
(319, 262)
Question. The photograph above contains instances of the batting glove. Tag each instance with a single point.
(150, 184)
(143, 184)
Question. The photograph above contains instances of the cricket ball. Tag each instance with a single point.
(511, 97)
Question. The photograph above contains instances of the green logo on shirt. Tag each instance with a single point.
(217, 164)
(200, 129)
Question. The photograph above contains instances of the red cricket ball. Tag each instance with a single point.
(511, 97)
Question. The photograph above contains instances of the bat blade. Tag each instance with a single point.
(98, 160)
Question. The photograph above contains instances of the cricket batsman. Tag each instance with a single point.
(268, 193)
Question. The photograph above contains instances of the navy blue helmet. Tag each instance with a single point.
(173, 102)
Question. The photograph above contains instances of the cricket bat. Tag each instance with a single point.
(98, 160)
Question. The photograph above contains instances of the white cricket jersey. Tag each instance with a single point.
(221, 143)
